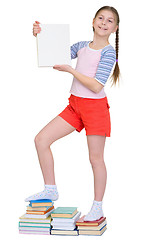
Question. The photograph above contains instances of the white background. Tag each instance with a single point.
(30, 97)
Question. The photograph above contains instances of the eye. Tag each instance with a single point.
(110, 21)
(100, 17)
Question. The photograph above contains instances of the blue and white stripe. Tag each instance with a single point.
(107, 60)
(76, 47)
(106, 63)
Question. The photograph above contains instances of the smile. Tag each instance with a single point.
(102, 28)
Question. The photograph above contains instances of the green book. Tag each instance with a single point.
(66, 212)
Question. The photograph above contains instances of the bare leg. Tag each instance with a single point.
(53, 131)
(96, 156)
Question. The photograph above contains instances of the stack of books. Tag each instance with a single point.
(97, 227)
(64, 221)
(37, 219)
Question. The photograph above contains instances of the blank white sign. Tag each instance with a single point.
(53, 45)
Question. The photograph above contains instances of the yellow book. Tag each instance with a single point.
(24, 218)
(94, 232)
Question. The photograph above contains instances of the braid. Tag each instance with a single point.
(117, 43)
(116, 72)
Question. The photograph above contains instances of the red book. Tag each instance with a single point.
(81, 222)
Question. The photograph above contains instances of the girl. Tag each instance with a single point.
(88, 107)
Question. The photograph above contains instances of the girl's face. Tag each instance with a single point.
(105, 23)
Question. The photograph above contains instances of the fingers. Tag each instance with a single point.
(36, 28)
(57, 67)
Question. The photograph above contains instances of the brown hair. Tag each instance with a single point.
(116, 72)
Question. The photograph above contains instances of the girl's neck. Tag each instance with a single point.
(99, 42)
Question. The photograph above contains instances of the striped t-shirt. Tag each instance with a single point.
(92, 63)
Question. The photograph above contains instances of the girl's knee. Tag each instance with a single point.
(40, 141)
(96, 159)
(37, 140)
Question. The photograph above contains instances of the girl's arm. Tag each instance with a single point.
(88, 82)
(108, 58)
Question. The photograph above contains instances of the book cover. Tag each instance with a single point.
(97, 233)
(64, 232)
(89, 223)
(38, 215)
(64, 212)
(29, 208)
(62, 224)
(42, 202)
(64, 227)
(32, 224)
(92, 227)
(40, 229)
(40, 212)
(24, 218)
(67, 220)
(34, 232)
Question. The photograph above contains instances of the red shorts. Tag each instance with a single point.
(91, 114)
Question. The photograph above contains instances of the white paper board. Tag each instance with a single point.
(53, 45)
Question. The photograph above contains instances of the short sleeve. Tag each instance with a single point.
(106, 63)
(76, 47)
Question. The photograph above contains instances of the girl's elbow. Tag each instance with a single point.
(98, 89)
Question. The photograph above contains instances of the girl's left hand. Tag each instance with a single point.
(64, 68)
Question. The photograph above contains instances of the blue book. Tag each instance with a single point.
(41, 202)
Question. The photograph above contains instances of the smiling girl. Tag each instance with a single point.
(88, 106)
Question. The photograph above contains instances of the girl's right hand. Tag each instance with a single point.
(36, 28)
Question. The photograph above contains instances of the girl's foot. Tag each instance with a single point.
(50, 192)
(95, 213)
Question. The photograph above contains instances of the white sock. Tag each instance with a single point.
(95, 213)
(50, 192)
